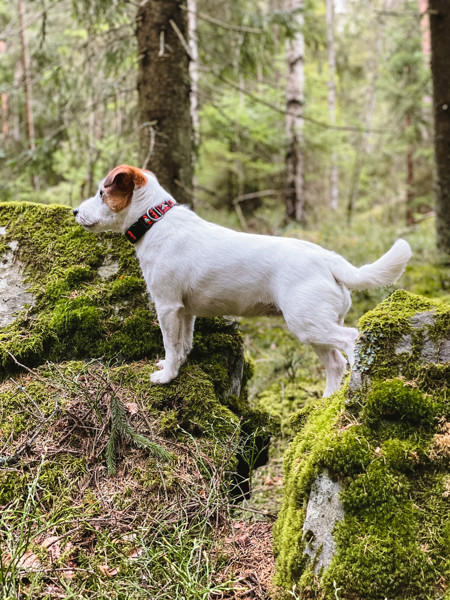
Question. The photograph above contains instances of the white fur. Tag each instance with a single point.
(195, 268)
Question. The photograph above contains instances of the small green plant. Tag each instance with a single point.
(120, 427)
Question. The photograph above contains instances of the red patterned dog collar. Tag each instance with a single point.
(143, 224)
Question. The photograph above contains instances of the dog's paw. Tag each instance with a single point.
(160, 364)
(163, 376)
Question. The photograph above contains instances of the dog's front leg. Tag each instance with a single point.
(172, 322)
(187, 338)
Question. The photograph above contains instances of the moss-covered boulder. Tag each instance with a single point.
(86, 438)
(83, 297)
(367, 482)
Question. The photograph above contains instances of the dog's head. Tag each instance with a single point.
(122, 197)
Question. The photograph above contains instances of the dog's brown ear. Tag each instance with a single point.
(119, 186)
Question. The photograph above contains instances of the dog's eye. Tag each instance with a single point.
(101, 193)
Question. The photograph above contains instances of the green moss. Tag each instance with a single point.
(22, 408)
(302, 464)
(60, 475)
(433, 378)
(392, 542)
(375, 490)
(76, 313)
(390, 318)
(72, 277)
(12, 485)
(396, 400)
(394, 319)
(380, 558)
(76, 324)
(349, 451)
(124, 287)
(169, 422)
(132, 337)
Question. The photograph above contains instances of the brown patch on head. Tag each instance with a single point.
(119, 186)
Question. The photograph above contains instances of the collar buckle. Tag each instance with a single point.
(157, 213)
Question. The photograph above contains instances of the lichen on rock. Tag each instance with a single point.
(384, 439)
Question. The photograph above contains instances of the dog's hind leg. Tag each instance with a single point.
(334, 364)
(319, 327)
(172, 321)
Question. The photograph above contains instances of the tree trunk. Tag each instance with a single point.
(165, 124)
(193, 68)
(362, 146)
(334, 172)
(439, 11)
(4, 100)
(410, 195)
(295, 185)
(25, 57)
(361, 149)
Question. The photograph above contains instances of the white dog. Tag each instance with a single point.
(195, 268)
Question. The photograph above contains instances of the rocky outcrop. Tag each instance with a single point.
(102, 472)
(367, 480)
(76, 352)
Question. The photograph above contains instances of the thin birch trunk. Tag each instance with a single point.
(193, 68)
(26, 78)
(362, 146)
(334, 172)
(27, 86)
(4, 100)
(425, 28)
(295, 166)
(410, 194)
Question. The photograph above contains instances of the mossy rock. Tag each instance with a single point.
(87, 439)
(384, 441)
(90, 302)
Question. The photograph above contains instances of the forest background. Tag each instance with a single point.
(312, 112)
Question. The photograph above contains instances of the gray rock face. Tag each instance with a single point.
(324, 510)
(14, 294)
(444, 351)
(431, 351)
(405, 345)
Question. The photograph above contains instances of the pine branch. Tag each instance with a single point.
(120, 427)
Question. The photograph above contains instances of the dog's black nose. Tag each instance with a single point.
(75, 212)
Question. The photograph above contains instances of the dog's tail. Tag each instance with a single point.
(383, 271)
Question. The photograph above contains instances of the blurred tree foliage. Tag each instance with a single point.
(83, 75)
